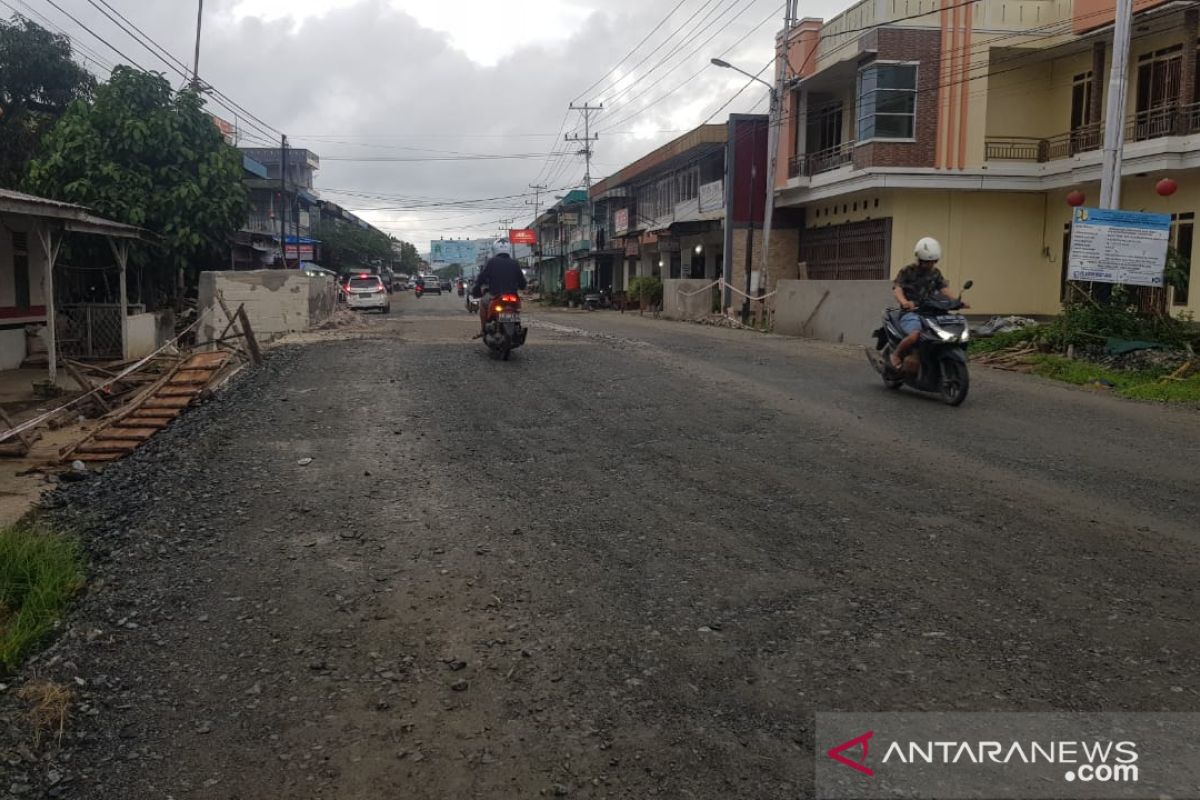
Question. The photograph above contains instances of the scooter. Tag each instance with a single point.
(938, 361)
(472, 304)
(419, 290)
(502, 329)
(601, 299)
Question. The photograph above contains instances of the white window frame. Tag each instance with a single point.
(858, 118)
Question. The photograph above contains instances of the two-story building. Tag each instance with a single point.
(971, 122)
(677, 211)
(561, 239)
(297, 204)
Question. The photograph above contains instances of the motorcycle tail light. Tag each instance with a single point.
(497, 308)
(509, 298)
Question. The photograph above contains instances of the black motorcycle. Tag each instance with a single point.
(597, 299)
(938, 361)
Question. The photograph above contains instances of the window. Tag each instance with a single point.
(1182, 228)
(20, 242)
(824, 128)
(887, 101)
(1158, 81)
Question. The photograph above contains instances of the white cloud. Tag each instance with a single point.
(386, 78)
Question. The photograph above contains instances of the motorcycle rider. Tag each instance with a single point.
(501, 275)
(916, 283)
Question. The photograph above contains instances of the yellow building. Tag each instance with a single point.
(971, 121)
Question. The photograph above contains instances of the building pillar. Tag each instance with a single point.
(1187, 70)
(1096, 111)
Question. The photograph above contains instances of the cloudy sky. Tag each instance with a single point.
(422, 111)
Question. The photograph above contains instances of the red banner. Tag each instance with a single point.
(522, 236)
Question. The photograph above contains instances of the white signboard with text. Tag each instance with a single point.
(1112, 246)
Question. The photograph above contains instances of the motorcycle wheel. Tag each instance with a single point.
(505, 354)
(955, 382)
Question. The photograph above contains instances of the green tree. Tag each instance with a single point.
(38, 82)
(410, 259)
(346, 247)
(147, 156)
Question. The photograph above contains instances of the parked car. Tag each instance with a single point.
(366, 291)
(433, 284)
(389, 279)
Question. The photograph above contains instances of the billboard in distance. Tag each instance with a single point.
(452, 251)
(522, 236)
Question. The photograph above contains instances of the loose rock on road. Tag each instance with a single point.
(631, 562)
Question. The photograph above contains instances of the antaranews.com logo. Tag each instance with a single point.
(1085, 760)
(1032, 755)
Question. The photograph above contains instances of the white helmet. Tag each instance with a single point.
(928, 249)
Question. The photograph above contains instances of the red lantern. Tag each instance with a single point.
(1166, 187)
(1076, 198)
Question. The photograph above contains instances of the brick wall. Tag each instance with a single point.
(782, 262)
(924, 47)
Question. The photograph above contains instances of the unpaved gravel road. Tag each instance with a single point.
(631, 562)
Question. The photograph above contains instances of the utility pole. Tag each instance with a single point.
(283, 160)
(587, 140)
(774, 120)
(196, 60)
(1114, 118)
(537, 204)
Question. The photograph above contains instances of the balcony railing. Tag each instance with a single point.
(1156, 123)
(821, 160)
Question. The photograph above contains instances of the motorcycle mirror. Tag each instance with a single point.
(968, 285)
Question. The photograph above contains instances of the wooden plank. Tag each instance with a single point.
(251, 342)
(26, 439)
(179, 391)
(147, 419)
(211, 360)
(122, 434)
(167, 402)
(110, 446)
(100, 458)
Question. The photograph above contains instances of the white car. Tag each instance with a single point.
(366, 291)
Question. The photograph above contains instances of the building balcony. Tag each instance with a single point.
(1157, 123)
(820, 161)
(580, 246)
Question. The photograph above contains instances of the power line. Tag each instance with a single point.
(628, 55)
(691, 77)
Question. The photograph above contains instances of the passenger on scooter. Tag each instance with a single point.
(916, 283)
(501, 275)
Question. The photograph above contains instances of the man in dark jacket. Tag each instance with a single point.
(501, 275)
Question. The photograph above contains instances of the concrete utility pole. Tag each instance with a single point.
(537, 204)
(587, 140)
(1114, 118)
(774, 120)
(283, 159)
(196, 60)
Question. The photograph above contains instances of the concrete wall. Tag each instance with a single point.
(679, 304)
(848, 310)
(277, 301)
(141, 335)
(12, 348)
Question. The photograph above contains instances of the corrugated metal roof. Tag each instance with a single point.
(21, 197)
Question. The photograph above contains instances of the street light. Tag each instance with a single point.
(772, 150)
(717, 62)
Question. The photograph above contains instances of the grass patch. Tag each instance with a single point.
(1003, 341)
(1139, 385)
(40, 571)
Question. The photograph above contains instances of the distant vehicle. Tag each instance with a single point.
(389, 279)
(412, 281)
(313, 271)
(445, 284)
(402, 282)
(366, 291)
(433, 284)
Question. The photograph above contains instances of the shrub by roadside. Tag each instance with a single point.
(40, 571)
